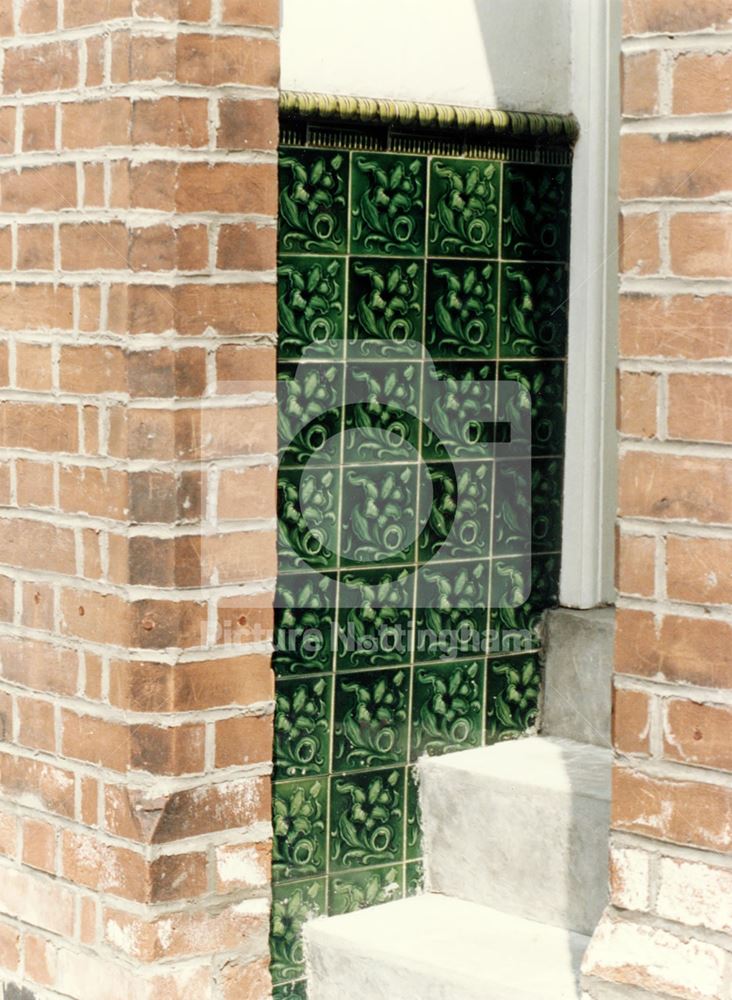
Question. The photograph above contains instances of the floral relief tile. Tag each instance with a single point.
(451, 609)
(307, 520)
(309, 410)
(534, 310)
(311, 295)
(367, 818)
(371, 719)
(304, 623)
(299, 817)
(385, 307)
(291, 991)
(313, 216)
(462, 309)
(459, 410)
(302, 726)
(413, 837)
(542, 390)
(356, 890)
(387, 204)
(379, 522)
(464, 200)
(514, 684)
(293, 904)
(375, 618)
(414, 875)
(536, 208)
(459, 520)
(528, 506)
(383, 411)
(447, 711)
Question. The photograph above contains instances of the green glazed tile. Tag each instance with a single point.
(307, 518)
(534, 310)
(309, 411)
(388, 207)
(414, 844)
(382, 412)
(310, 307)
(379, 521)
(291, 991)
(385, 298)
(447, 709)
(547, 483)
(293, 904)
(299, 815)
(375, 618)
(367, 819)
(523, 589)
(459, 519)
(512, 510)
(451, 610)
(302, 726)
(370, 724)
(514, 684)
(313, 197)
(304, 623)
(356, 890)
(536, 207)
(414, 878)
(462, 309)
(459, 410)
(464, 200)
(542, 390)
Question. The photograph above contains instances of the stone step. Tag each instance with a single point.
(578, 674)
(522, 827)
(435, 948)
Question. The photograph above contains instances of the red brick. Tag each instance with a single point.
(696, 814)
(697, 734)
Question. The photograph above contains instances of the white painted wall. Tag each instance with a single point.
(510, 54)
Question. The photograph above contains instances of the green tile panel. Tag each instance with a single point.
(421, 299)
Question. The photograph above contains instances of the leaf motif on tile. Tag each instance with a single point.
(449, 717)
(388, 302)
(307, 518)
(304, 610)
(534, 311)
(298, 819)
(292, 906)
(464, 217)
(371, 730)
(309, 305)
(514, 697)
(459, 404)
(381, 517)
(369, 817)
(354, 892)
(389, 211)
(464, 313)
(376, 611)
(312, 201)
(536, 212)
(301, 726)
(308, 412)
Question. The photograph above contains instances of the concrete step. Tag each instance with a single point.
(435, 948)
(521, 827)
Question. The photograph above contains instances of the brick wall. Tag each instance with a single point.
(137, 547)
(669, 929)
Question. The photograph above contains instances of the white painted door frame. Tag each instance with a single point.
(591, 449)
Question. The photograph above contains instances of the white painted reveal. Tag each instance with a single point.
(511, 54)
